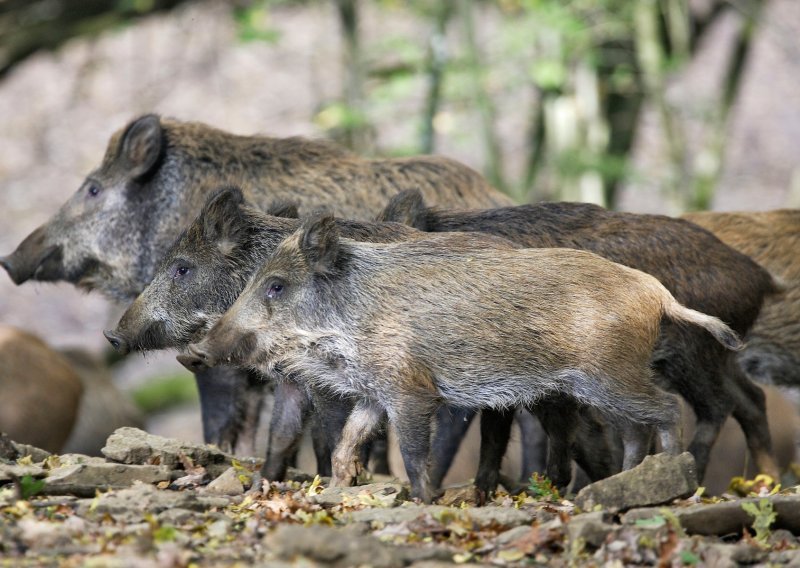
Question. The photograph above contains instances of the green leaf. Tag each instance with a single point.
(28, 486)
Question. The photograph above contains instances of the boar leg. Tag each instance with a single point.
(286, 428)
(559, 418)
(411, 416)
(751, 414)
(223, 391)
(451, 426)
(534, 443)
(597, 449)
(364, 421)
(495, 433)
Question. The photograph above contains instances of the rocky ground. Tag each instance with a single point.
(154, 501)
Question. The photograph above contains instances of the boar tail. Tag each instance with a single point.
(715, 326)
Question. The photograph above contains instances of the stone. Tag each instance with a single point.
(455, 495)
(503, 516)
(591, 528)
(226, 484)
(141, 499)
(727, 517)
(134, 446)
(482, 516)
(10, 471)
(511, 535)
(331, 547)
(84, 480)
(38, 455)
(8, 451)
(375, 494)
(179, 516)
(658, 479)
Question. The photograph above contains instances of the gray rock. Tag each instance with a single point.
(481, 516)
(330, 546)
(226, 484)
(85, 479)
(134, 502)
(591, 528)
(727, 517)
(10, 471)
(504, 516)
(408, 512)
(658, 479)
(375, 494)
(511, 535)
(134, 446)
(179, 516)
(38, 455)
(7, 449)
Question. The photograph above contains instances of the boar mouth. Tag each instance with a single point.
(90, 275)
(152, 338)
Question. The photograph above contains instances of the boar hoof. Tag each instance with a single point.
(346, 474)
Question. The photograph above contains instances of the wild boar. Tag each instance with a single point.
(406, 327)
(155, 177)
(41, 392)
(771, 238)
(700, 270)
(200, 277)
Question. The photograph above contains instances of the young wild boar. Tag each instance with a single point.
(702, 273)
(198, 280)
(406, 327)
(772, 239)
(156, 175)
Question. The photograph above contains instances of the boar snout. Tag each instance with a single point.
(196, 359)
(117, 341)
(33, 259)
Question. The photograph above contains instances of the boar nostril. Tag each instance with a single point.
(117, 342)
(6, 263)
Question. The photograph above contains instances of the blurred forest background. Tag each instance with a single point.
(645, 105)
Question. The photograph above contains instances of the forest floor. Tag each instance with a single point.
(155, 501)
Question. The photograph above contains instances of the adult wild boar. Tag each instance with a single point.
(771, 238)
(408, 326)
(202, 274)
(696, 267)
(155, 177)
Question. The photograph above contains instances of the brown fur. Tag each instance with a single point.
(412, 325)
(40, 391)
(771, 238)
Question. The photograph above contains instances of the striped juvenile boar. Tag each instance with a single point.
(696, 267)
(407, 327)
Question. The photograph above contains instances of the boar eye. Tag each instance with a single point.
(180, 272)
(93, 190)
(275, 290)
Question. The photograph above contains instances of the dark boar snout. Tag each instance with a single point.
(34, 258)
(196, 359)
(117, 341)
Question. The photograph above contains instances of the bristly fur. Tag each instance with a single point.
(700, 270)
(447, 319)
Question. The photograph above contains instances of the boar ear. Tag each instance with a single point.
(319, 242)
(285, 209)
(222, 217)
(142, 145)
(408, 208)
